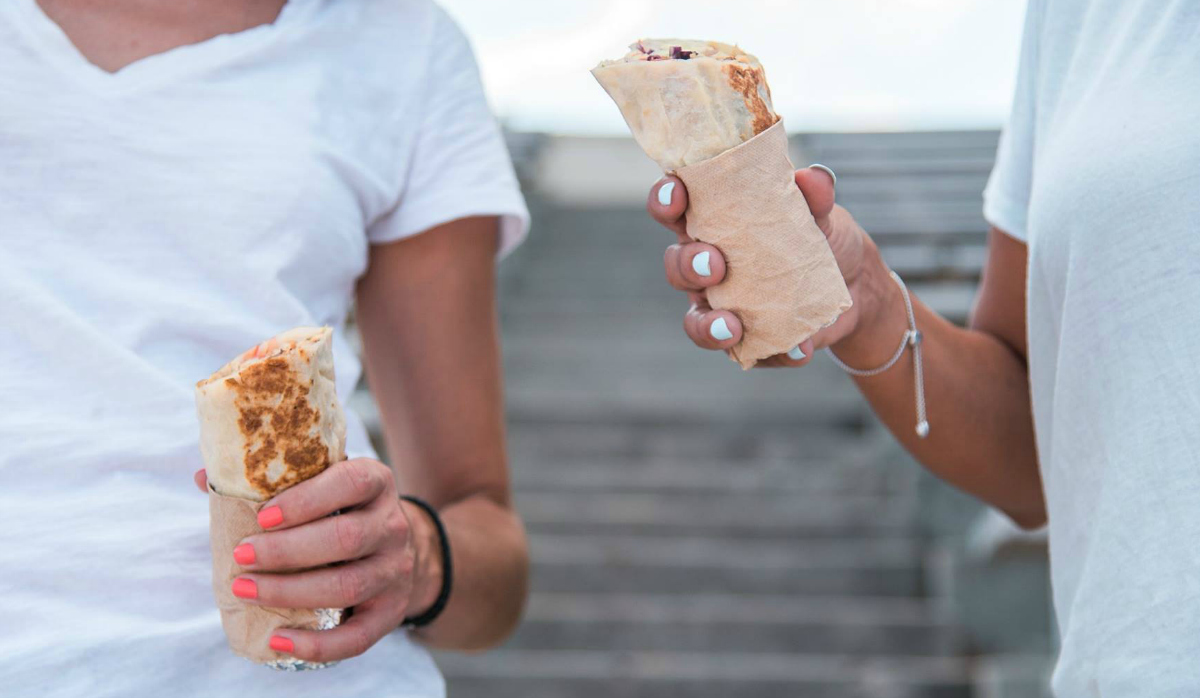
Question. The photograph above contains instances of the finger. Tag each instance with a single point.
(666, 204)
(817, 184)
(342, 486)
(798, 356)
(712, 329)
(370, 623)
(694, 265)
(331, 539)
(200, 477)
(342, 586)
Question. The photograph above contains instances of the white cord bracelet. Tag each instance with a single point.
(912, 338)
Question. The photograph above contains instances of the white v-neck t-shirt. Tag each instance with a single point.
(1099, 172)
(155, 223)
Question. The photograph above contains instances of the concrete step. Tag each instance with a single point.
(756, 515)
(636, 383)
(546, 673)
(670, 436)
(864, 144)
(735, 623)
(690, 564)
(646, 282)
(599, 477)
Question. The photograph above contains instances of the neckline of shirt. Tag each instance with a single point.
(51, 43)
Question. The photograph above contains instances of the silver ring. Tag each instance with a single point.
(823, 168)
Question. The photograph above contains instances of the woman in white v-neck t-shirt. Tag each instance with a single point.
(167, 200)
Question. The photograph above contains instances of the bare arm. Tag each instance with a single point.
(428, 316)
(976, 380)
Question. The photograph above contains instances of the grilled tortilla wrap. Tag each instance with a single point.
(271, 418)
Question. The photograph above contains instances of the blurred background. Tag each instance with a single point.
(701, 531)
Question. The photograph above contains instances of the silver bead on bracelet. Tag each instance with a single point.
(912, 338)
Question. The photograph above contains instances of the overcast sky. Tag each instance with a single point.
(832, 64)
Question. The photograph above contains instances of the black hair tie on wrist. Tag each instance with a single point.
(443, 596)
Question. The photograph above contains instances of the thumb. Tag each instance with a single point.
(816, 182)
(200, 477)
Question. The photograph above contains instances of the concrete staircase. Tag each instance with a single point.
(697, 530)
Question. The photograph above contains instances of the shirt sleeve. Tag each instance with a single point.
(1006, 197)
(459, 165)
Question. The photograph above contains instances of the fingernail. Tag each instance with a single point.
(245, 588)
(270, 517)
(826, 170)
(664, 193)
(282, 644)
(720, 330)
(700, 264)
(244, 554)
(795, 354)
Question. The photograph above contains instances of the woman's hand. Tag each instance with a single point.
(379, 556)
(693, 267)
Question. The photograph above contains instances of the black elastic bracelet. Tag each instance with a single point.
(443, 596)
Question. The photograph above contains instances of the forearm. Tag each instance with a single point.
(976, 393)
(490, 563)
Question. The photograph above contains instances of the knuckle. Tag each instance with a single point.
(359, 640)
(351, 534)
(268, 554)
(352, 585)
(361, 479)
(396, 524)
(321, 651)
(406, 565)
(318, 652)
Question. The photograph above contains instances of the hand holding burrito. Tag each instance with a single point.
(703, 111)
(268, 419)
(273, 442)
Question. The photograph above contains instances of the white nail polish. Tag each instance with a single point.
(720, 330)
(664, 193)
(700, 264)
(795, 354)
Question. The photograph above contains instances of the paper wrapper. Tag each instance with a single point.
(703, 110)
(781, 278)
(249, 627)
(269, 420)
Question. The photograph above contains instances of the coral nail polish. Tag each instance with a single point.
(245, 588)
(281, 644)
(270, 517)
(244, 554)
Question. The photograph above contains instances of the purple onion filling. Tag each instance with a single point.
(678, 53)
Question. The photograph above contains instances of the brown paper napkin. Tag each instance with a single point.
(249, 627)
(781, 278)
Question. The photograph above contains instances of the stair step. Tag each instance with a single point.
(678, 564)
(669, 475)
(759, 514)
(538, 673)
(729, 438)
(724, 622)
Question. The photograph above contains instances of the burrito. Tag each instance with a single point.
(269, 419)
(688, 101)
(702, 110)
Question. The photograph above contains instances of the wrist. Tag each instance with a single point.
(428, 566)
(881, 317)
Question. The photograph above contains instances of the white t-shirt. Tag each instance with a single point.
(153, 224)
(1099, 171)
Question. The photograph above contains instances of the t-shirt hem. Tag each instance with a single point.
(1005, 214)
(514, 221)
